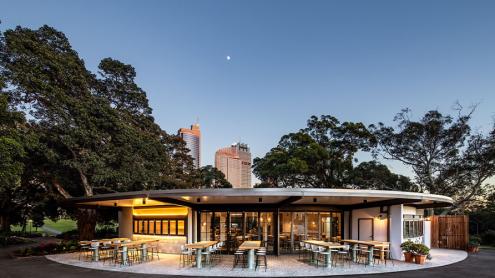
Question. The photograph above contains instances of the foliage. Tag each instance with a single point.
(10, 239)
(374, 175)
(211, 177)
(94, 133)
(474, 240)
(320, 155)
(420, 249)
(48, 248)
(488, 237)
(445, 157)
(407, 246)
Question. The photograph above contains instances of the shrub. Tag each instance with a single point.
(420, 249)
(474, 240)
(488, 237)
(407, 246)
(49, 248)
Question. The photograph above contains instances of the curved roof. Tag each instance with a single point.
(351, 198)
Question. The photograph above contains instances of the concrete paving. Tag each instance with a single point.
(281, 266)
(477, 265)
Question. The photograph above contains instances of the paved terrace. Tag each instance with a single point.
(282, 266)
(477, 265)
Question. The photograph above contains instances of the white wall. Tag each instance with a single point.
(190, 225)
(396, 216)
(125, 222)
(380, 225)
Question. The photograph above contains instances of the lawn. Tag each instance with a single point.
(50, 227)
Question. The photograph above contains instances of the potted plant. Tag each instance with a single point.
(474, 244)
(407, 250)
(420, 251)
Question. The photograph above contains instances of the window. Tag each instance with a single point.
(165, 227)
(413, 226)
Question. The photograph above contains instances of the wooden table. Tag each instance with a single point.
(250, 245)
(96, 252)
(199, 246)
(141, 243)
(329, 246)
(372, 244)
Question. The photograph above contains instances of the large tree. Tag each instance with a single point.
(442, 153)
(320, 155)
(211, 177)
(96, 133)
(374, 175)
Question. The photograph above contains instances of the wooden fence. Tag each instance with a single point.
(450, 231)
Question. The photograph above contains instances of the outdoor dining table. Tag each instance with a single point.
(250, 245)
(199, 246)
(372, 244)
(96, 252)
(141, 243)
(329, 246)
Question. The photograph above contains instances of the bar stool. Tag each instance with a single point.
(185, 256)
(321, 256)
(343, 256)
(84, 251)
(261, 258)
(94, 249)
(314, 254)
(208, 260)
(239, 259)
(152, 251)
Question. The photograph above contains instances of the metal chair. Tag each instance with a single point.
(261, 260)
(240, 259)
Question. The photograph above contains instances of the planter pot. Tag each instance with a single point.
(420, 259)
(473, 249)
(408, 257)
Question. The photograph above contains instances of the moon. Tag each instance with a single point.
(228, 58)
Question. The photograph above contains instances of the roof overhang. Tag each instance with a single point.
(265, 197)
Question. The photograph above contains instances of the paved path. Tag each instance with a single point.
(478, 265)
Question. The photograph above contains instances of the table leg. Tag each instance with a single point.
(124, 255)
(198, 257)
(370, 256)
(96, 254)
(251, 259)
(328, 258)
(382, 254)
(354, 252)
(144, 252)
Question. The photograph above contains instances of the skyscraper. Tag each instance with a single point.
(235, 163)
(192, 137)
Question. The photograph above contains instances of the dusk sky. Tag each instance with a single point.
(356, 60)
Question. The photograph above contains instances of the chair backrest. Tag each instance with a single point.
(95, 244)
(346, 247)
(183, 248)
(127, 241)
(321, 249)
(107, 243)
(116, 242)
(301, 244)
(314, 247)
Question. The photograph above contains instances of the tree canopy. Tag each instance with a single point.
(95, 132)
(320, 155)
(444, 155)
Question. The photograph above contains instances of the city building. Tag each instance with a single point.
(192, 137)
(235, 164)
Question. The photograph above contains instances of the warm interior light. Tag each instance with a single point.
(160, 211)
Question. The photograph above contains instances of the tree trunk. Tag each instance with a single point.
(86, 223)
(4, 223)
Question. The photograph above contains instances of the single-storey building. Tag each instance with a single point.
(279, 217)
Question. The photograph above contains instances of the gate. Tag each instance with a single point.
(450, 231)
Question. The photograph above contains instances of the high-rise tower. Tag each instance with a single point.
(235, 164)
(192, 137)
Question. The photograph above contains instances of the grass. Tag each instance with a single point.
(61, 225)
